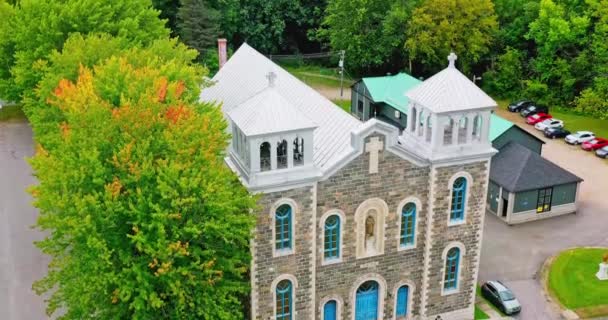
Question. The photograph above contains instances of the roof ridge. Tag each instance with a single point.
(523, 163)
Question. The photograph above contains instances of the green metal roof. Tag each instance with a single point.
(498, 126)
(391, 89)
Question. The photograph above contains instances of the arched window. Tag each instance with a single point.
(413, 119)
(402, 299)
(450, 281)
(477, 127)
(330, 310)
(284, 300)
(462, 130)
(367, 300)
(282, 155)
(408, 224)
(282, 225)
(265, 156)
(298, 151)
(448, 131)
(459, 192)
(332, 237)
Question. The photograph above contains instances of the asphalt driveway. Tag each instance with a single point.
(20, 262)
(515, 254)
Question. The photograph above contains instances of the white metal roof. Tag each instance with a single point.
(245, 75)
(448, 91)
(269, 112)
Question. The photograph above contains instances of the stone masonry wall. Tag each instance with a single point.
(467, 234)
(299, 264)
(396, 180)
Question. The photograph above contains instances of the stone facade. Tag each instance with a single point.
(347, 192)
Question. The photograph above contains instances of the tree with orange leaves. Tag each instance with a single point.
(144, 220)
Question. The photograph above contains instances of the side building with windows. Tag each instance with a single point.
(358, 220)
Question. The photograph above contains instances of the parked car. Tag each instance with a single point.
(594, 144)
(539, 117)
(518, 105)
(549, 123)
(500, 296)
(579, 137)
(553, 133)
(602, 152)
(533, 109)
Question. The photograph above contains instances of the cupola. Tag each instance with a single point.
(271, 139)
(448, 115)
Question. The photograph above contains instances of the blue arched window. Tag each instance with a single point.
(451, 269)
(408, 224)
(282, 225)
(366, 303)
(284, 300)
(330, 310)
(332, 237)
(459, 193)
(402, 298)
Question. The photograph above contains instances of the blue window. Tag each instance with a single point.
(459, 193)
(284, 300)
(451, 269)
(402, 298)
(330, 310)
(332, 237)
(408, 224)
(366, 307)
(282, 227)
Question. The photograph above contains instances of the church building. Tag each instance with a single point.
(358, 220)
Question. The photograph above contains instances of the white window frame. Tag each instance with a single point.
(321, 251)
(402, 204)
(273, 290)
(465, 214)
(453, 244)
(294, 206)
(410, 295)
(339, 306)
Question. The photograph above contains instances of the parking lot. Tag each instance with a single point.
(514, 254)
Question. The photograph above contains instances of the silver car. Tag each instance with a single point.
(602, 153)
(579, 137)
(500, 296)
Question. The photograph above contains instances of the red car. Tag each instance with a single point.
(539, 117)
(594, 144)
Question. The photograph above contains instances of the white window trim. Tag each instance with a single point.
(294, 213)
(465, 214)
(411, 292)
(402, 204)
(324, 217)
(273, 290)
(444, 255)
(360, 215)
(381, 293)
(339, 306)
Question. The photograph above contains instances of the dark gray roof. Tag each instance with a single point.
(516, 168)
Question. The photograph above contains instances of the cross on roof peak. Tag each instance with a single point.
(271, 76)
(452, 59)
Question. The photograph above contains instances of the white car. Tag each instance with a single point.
(580, 137)
(549, 123)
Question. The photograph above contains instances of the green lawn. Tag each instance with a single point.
(479, 314)
(12, 113)
(316, 76)
(573, 282)
(344, 104)
(574, 122)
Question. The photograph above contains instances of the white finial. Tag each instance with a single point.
(452, 59)
(271, 76)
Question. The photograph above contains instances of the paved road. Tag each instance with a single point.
(515, 254)
(20, 262)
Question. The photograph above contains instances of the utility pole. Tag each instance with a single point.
(341, 65)
(475, 79)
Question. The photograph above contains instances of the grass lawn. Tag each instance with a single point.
(12, 113)
(344, 104)
(574, 122)
(316, 76)
(573, 282)
(479, 314)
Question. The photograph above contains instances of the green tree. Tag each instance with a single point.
(506, 80)
(144, 220)
(38, 27)
(370, 31)
(197, 25)
(437, 27)
(168, 11)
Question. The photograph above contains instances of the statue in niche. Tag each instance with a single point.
(370, 238)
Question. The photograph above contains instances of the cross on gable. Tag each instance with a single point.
(271, 76)
(373, 147)
(452, 60)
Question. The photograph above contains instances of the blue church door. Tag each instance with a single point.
(367, 301)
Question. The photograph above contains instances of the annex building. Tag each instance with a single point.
(359, 220)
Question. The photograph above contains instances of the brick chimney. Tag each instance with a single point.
(221, 51)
